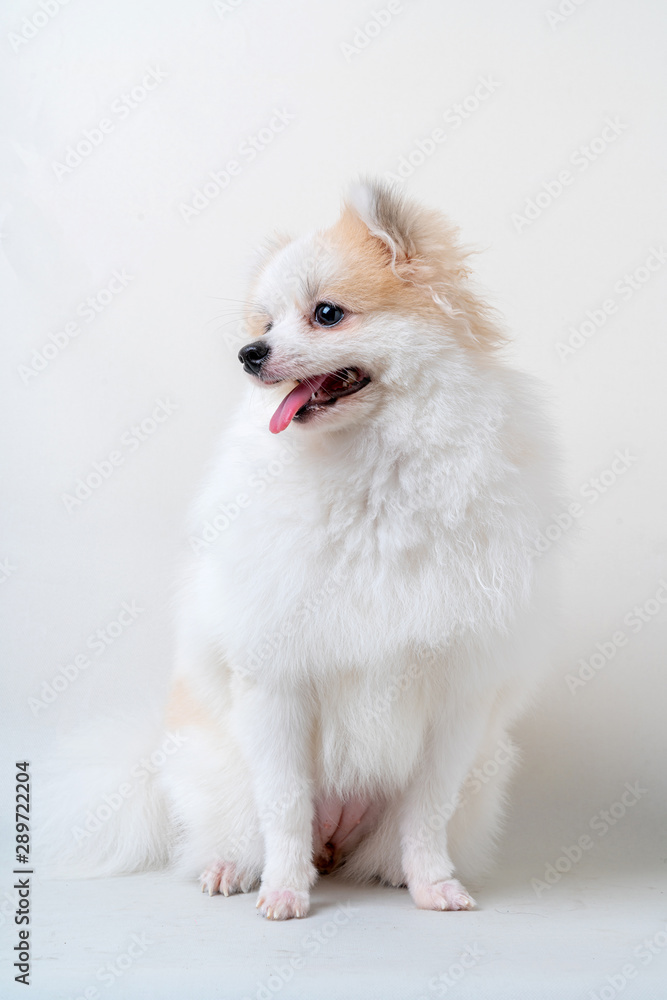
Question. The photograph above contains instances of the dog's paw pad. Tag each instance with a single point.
(221, 877)
(283, 904)
(447, 895)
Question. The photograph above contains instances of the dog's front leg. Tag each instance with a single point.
(276, 730)
(430, 803)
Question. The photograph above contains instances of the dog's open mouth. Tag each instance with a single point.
(315, 393)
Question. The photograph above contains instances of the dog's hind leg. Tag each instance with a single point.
(434, 794)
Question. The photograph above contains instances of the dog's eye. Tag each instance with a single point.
(327, 314)
(268, 325)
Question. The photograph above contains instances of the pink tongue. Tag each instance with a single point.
(293, 402)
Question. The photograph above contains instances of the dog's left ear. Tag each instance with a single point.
(422, 246)
(387, 216)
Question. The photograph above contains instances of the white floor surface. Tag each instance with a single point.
(592, 935)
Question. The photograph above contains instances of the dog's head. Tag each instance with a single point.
(345, 318)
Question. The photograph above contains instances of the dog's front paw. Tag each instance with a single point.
(225, 877)
(283, 904)
(447, 895)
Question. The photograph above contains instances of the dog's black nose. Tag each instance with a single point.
(253, 356)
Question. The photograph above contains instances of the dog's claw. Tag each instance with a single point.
(283, 904)
(224, 877)
(446, 895)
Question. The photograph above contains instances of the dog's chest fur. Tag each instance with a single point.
(353, 560)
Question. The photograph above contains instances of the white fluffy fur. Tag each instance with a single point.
(373, 621)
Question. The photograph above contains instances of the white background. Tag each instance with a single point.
(173, 332)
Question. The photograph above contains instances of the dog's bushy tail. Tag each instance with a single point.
(99, 807)
(477, 825)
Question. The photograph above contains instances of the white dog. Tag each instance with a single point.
(356, 640)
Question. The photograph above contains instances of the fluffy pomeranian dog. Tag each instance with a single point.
(356, 642)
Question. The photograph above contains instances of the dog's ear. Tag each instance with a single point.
(422, 245)
(387, 216)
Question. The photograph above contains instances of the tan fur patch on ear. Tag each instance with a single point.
(365, 280)
(434, 283)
